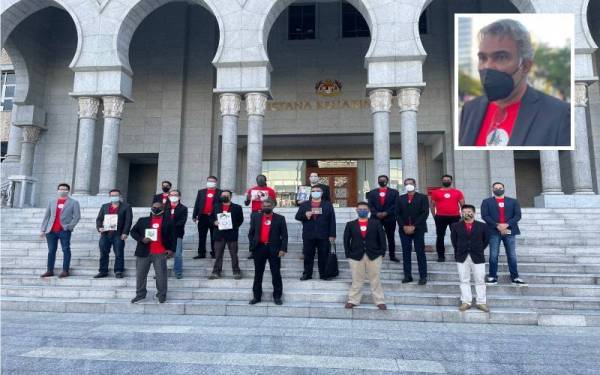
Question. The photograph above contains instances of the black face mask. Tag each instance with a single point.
(156, 211)
(382, 183)
(225, 199)
(165, 189)
(496, 84)
(446, 183)
(267, 210)
(498, 192)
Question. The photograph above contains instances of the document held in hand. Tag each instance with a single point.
(224, 220)
(152, 234)
(110, 222)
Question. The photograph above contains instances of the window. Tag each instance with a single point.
(8, 91)
(3, 150)
(301, 22)
(353, 23)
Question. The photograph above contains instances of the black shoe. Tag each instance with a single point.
(138, 299)
(200, 256)
(305, 277)
(254, 301)
(278, 301)
(394, 259)
(422, 281)
(119, 275)
(441, 259)
(212, 254)
(519, 282)
(491, 281)
(251, 256)
(407, 280)
(162, 299)
(100, 275)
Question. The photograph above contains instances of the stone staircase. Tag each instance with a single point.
(559, 257)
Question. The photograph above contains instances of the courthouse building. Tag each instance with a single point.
(126, 93)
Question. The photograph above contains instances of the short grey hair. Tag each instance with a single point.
(513, 29)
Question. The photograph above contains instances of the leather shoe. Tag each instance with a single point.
(278, 301)
(138, 299)
(305, 277)
(382, 306)
(119, 275)
(464, 307)
(254, 301)
(47, 274)
(349, 305)
(200, 256)
(63, 274)
(100, 275)
(422, 281)
(483, 307)
(407, 280)
(394, 259)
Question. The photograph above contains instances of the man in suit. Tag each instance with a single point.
(511, 113)
(60, 218)
(178, 214)
(164, 196)
(382, 203)
(227, 237)
(268, 239)
(469, 240)
(318, 230)
(153, 250)
(114, 237)
(314, 181)
(413, 210)
(364, 246)
(502, 215)
(207, 200)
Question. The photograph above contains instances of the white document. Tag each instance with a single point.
(110, 222)
(224, 220)
(152, 234)
(259, 195)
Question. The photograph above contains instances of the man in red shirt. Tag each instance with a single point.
(207, 201)
(445, 204)
(258, 193)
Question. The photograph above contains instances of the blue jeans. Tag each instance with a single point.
(511, 254)
(65, 243)
(178, 266)
(106, 241)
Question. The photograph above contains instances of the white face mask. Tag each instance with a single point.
(211, 184)
(174, 199)
(409, 188)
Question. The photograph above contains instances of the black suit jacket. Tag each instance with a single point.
(138, 232)
(278, 236)
(472, 244)
(158, 198)
(389, 204)
(322, 227)
(414, 213)
(374, 244)
(237, 218)
(125, 218)
(543, 120)
(201, 198)
(181, 214)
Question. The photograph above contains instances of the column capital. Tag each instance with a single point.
(256, 103)
(230, 104)
(381, 100)
(408, 99)
(88, 107)
(580, 96)
(31, 133)
(113, 106)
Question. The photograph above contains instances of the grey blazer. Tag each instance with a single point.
(69, 216)
(542, 121)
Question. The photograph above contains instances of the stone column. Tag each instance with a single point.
(88, 110)
(381, 104)
(230, 112)
(408, 101)
(13, 149)
(113, 109)
(256, 104)
(580, 157)
(31, 136)
(550, 165)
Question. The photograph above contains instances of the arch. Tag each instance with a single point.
(586, 9)
(138, 12)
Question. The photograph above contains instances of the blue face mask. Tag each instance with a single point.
(115, 199)
(316, 194)
(363, 213)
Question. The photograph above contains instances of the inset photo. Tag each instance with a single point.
(513, 81)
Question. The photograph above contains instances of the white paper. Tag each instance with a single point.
(316, 210)
(152, 234)
(259, 195)
(224, 220)
(110, 222)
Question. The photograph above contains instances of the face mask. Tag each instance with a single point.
(156, 211)
(115, 199)
(62, 193)
(498, 192)
(446, 183)
(316, 194)
(362, 213)
(267, 211)
(165, 189)
(409, 188)
(314, 180)
(211, 184)
(468, 216)
(382, 183)
(225, 199)
(496, 84)
(261, 181)
(174, 199)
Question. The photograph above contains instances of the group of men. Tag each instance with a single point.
(159, 236)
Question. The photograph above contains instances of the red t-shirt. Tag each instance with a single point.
(469, 227)
(362, 224)
(382, 194)
(57, 225)
(226, 207)
(314, 204)
(165, 198)
(112, 210)
(208, 203)
(173, 205)
(265, 228)
(258, 194)
(157, 247)
(447, 201)
(500, 202)
(507, 124)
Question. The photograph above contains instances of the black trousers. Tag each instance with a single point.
(309, 248)
(390, 232)
(418, 238)
(204, 226)
(262, 254)
(441, 223)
